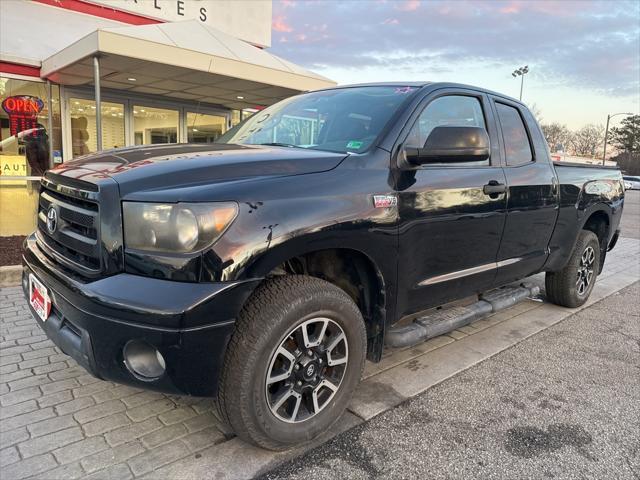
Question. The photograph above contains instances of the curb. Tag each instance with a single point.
(10, 275)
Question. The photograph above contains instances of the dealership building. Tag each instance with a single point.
(158, 71)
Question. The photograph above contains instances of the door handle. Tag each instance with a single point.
(494, 188)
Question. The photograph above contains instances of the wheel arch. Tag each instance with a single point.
(597, 218)
(353, 271)
(599, 222)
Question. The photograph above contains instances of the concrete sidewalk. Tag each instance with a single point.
(563, 404)
(56, 421)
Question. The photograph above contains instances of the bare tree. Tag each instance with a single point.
(557, 136)
(587, 140)
(537, 113)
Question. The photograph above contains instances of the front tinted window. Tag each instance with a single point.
(516, 140)
(341, 120)
(452, 111)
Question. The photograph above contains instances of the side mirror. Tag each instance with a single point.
(451, 145)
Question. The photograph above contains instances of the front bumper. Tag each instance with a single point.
(188, 323)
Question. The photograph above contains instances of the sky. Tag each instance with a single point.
(583, 56)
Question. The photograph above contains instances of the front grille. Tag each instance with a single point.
(75, 240)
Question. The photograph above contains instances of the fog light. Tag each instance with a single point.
(143, 360)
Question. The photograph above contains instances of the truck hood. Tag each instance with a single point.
(157, 167)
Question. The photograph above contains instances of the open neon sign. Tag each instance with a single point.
(23, 112)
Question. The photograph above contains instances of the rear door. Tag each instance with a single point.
(532, 199)
(450, 230)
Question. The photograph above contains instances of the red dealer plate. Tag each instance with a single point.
(39, 298)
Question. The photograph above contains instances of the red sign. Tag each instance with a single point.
(23, 112)
(24, 104)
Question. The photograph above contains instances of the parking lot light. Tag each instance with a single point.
(521, 72)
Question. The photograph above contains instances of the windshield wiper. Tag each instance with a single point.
(278, 144)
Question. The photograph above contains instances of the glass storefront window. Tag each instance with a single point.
(154, 125)
(83, 125)
(24, 121)
(247, 112)
(18, 210)
(205, 128)
(25, 138)
(236, 117)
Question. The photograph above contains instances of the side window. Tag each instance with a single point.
(516, 140)
(452, 110)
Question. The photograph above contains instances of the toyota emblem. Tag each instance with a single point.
(52, 220)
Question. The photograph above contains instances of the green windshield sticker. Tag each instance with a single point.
(355, 144)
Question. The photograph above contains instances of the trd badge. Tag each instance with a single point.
(385, 201)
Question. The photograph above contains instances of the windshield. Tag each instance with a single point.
(341, 120)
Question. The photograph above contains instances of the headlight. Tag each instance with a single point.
(175, 227)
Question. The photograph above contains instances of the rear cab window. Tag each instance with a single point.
(516, 140)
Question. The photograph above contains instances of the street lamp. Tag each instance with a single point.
(521, 72)
(606, 133)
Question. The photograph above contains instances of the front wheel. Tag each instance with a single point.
(571, 286)
(293, 362)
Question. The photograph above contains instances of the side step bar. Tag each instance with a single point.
(444, 321)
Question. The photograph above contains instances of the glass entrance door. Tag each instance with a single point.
(153, 125)
(203, 128)
(83, 125)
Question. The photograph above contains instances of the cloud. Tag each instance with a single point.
(586, 44)
(408, 6)
(280, 24)
(510, 8)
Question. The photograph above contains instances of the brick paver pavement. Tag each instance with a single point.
(57, 421)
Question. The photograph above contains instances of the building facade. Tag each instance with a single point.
(78, 76)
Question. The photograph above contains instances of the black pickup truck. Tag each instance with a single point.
(264, 269)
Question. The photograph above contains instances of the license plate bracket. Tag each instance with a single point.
(39, 298)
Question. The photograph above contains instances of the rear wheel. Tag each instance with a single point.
(571, 286)
(293, 362)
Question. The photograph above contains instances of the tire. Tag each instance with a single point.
(271, 320)
(571, 286)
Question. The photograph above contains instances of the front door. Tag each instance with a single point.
(450, 230)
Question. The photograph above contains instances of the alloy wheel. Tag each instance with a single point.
(306, 370)
(585, 270)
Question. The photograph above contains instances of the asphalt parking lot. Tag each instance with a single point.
(57, 421)
(562, 404)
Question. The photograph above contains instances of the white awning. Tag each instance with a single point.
(184, 60)
(31, 32)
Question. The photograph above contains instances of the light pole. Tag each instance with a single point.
(606, 133)
(521, 72)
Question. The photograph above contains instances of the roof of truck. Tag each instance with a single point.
(427, 84)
